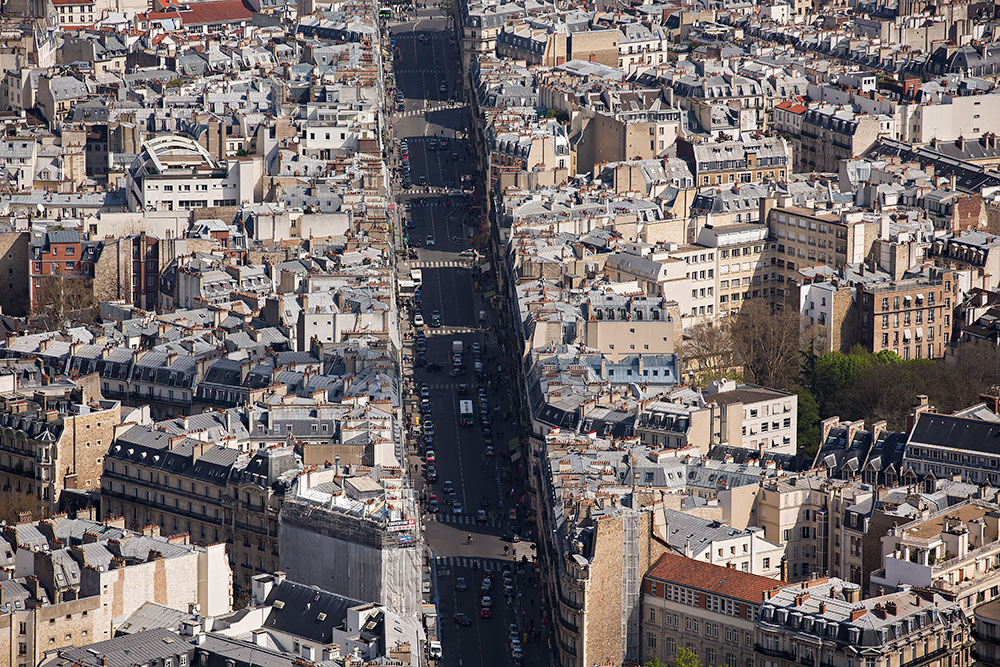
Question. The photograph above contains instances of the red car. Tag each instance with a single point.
(485, 612)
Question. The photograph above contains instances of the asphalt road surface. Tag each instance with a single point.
(426, 67)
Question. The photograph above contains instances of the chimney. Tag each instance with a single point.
(822, 608)
(857, 613)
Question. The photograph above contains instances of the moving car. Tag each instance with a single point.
(481, 516)
(460, 584)
(457, 508)
(429, 241)
(462, 619)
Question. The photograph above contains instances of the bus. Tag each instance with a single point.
(466, 416)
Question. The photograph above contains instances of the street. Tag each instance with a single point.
(439, 223)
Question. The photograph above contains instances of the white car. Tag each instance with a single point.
(434, 650)
(418, 320)
(467, 253)
(429, 242)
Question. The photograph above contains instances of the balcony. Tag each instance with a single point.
(568, 626)
(575, 606)
(566, 648)
(933, 656)
(775, 653)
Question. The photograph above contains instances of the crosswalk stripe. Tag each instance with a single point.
(485, 564)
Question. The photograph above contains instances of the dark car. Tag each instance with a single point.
(463, 389)
(462, 619)
(433, 368)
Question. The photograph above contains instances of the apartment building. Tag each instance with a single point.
(987, 633)
(959, 445)
(825, 621)
(739, 251)
(833, 133)
(175, 173)
(953, 550)
(699, 271)
(805, 513)
(911, 317)
(828, 307)
(803, 237)
(707, 609)
(53, 441)
(167, 477)
(712, 541)
(749, 160)
(76, 581)
(766, 418)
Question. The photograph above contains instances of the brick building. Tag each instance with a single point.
(705, 608)
(911, 317)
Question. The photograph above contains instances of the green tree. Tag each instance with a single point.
(686, 658)
(807, 421)
(655, 662)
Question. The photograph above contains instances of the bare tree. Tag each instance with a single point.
(62, 298)
(707, 352)
(766, 343)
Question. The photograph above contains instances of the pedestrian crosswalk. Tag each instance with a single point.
(461, 520)
(442, 264)
(484, 564)
(450, 331)
(411, 113)
(409, 71)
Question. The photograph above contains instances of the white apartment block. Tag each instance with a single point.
(174, 173)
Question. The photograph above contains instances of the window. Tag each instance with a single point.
(767, 563)
(651, 640)
(652, 614)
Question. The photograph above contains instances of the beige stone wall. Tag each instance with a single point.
(84, 441)
(59, 626)
(599, 46)
(617, 339)
(113, 271)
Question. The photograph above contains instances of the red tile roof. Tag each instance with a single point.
(713, 579)
(793, 107)
(222, 11)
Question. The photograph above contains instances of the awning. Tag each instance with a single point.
(513, 445)
(906, 334)
(515, 457)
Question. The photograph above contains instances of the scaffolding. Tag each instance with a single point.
(630, 587)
